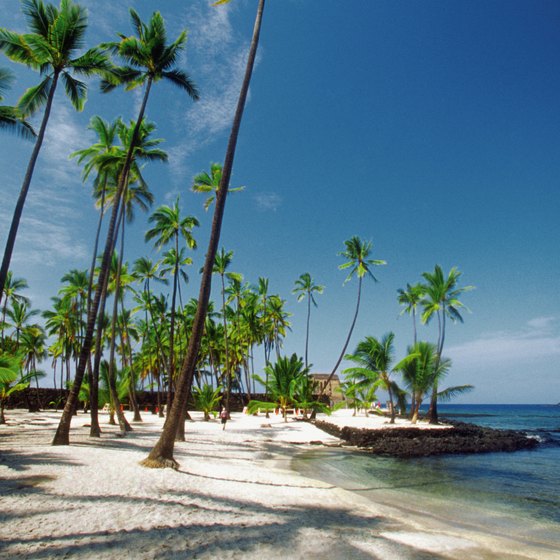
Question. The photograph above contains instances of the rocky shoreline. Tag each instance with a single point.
(416, 442)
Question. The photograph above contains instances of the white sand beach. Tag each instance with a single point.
(233, 497)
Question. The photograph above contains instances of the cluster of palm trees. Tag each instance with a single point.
(424, 366)
(23, 343)
(140, 60)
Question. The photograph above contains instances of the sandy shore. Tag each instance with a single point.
(233, 497)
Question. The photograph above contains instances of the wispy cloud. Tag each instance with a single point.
(540, 338)
(64, 135)
(48, 243)
(49, 232)
(267, 201)
(217, 64)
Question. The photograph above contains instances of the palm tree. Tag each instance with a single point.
(374, 359)
(210, 183)
(150, 59)
(305, 288)
(278, 319)
(10, 293)
(425, 369)
(20, 315)
(10, 118)
(162, 454)
(33, 350)
(170, 226)
(410, 299)
(262, 290)
(10, 366)
(357, 252)
(206, 398)
(221, 264)
(282, 381)
(56, 34)
(441, 298)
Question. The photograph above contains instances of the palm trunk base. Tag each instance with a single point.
(61, 438)
(180, 434)
(159, 463)
(62, 435)
(95, 431)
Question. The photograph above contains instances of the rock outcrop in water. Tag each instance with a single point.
(421, 442)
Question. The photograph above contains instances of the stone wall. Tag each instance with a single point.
(47, 398)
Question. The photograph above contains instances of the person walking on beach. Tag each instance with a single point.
(224, 417)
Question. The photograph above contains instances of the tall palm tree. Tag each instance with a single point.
(33, 349)
(441, 298)
(162, 453)
(149, 59)
(10, 118)
(56, 34)
(169, 226)
(221, 264)
(410, 298)
(19, 316)
(359, 262)
(108, 159)
(11, 293)
(305, 288)
(262, 291)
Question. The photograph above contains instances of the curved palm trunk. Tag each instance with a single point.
(123, 422)
(95, 430)
(433, 410)
(62, 436)
(162, 454)
(307, 328)
(18, 211)
(389, 390)
(347, 339)
(227, 364)
(127, 361)
(171, 373)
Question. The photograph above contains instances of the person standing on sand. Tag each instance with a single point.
(224, 417)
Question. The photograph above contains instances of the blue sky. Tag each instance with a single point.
(429, 128)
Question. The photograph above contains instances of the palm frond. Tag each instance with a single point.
(75, 90)
(93, 61)
(34, 97)
(452, 392)
(182, 80)
(12, 121)
(15, 48)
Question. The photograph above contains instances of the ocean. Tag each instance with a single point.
(515, 494)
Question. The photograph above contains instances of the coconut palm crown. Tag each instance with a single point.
(147, 57)
(51, 48)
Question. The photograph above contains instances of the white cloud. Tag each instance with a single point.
(64, 135)
(217, 67)
(267, 201)
(539, 339)
(48, 243)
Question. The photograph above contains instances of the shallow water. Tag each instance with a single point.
(514, 494)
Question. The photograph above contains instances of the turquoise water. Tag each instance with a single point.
(503, 493)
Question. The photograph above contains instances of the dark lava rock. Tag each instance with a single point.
(417, 442)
